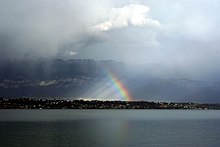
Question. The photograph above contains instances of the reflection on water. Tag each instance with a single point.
(100, 128)
(75, 133)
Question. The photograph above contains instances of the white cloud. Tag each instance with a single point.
(47, 83)
(72, 53)
(133, 14)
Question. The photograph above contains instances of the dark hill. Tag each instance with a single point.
(74, 78)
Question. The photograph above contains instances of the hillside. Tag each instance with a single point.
(85, 77)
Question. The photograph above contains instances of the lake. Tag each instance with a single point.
(110, 128)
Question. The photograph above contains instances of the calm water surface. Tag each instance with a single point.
(110, 128)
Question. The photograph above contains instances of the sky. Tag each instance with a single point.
(182, 35)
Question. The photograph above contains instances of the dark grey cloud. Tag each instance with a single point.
(31, 28)
(186, 41)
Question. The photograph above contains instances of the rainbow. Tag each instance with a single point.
(119, 86)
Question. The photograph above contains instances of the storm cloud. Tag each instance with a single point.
(43, 28)
(182, 36)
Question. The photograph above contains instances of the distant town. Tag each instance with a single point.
(28, 103)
